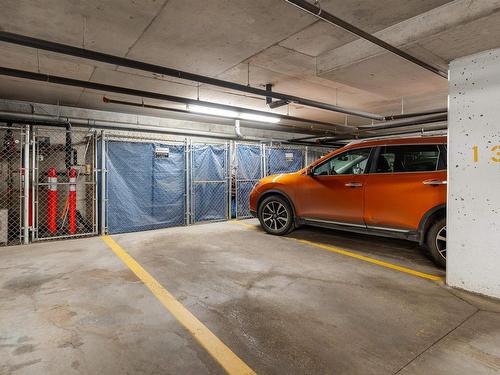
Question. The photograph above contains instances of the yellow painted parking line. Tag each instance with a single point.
(244, 224)
(381, 263)
(211, 343)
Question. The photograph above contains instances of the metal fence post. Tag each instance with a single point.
(26, 187)
(229, 178)
(186, 182)
(103, 183)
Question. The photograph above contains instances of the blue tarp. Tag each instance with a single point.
(282, 160)
(248, 172)
(146, 189)
(248, 161)
(210, 194)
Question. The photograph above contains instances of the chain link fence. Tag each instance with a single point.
(210, 187)
(284, 158)
(249, 169)
(151, 181)
(64, 189)
(146, 186)
(315, 153)
(11, 185)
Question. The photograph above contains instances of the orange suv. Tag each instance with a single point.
(392, 188)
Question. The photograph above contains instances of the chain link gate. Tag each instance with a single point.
(315, 153)
(249, 169)
(145, 183)
(283, 159)
(13, 143)
(209, 182)
(64, 190)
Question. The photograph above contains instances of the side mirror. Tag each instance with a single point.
(310, 172)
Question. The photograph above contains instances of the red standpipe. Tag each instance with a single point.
(52, 201)
(72, 201)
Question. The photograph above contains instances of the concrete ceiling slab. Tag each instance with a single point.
(388, 75)
(112, 26)
(369, 15)
(210, 36)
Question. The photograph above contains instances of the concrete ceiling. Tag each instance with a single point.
(250, 41)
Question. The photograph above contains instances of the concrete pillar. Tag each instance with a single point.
(473, 224)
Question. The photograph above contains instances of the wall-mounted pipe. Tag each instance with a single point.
(330, 18)
(420, 120)
(27, 41)
(237, 129)
(422, 130)
(326, 126)
(133, 92)
(416, 114)
(48, 120)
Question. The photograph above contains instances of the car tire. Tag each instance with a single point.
(436, 242)
(276, 215)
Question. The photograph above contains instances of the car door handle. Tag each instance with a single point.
(434, 182)
(354, 184)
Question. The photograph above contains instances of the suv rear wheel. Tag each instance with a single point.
(276, 215)
(436, 242)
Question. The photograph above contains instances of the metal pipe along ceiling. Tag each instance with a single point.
(330, 18)
(327, 126)
(427, 119)
(139, 65)
(133, 92)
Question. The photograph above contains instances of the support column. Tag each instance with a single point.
(473, 238)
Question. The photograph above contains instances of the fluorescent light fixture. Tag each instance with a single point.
(259, 118)
(212, 111)
(233, 114)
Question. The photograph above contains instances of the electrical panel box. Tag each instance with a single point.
(4, 226)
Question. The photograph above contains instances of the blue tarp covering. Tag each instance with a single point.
(282, 160)
(146, 189)
(210, 194)
(248, 172)
(248, 162)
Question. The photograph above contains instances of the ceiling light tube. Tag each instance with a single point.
(259, 118)
(212, 111)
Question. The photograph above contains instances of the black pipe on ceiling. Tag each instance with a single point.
(139, 93)
(405, 122)
(65, 49)
(330, 18)
(328, 140)
(416, 114)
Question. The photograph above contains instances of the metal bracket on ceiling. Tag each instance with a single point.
(276, 103)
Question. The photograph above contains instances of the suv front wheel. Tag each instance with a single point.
(436, 242)
(276, 215)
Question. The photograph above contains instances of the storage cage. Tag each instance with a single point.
(282, 158)
(210, 187)
(248, 170)
(64, 188)
(12, 179)
(146, 186)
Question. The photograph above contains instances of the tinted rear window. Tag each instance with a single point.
(408, 158)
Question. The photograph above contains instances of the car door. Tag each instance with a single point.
(405, 182)
(333, 190)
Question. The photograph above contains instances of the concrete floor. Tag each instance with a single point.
(284, 307)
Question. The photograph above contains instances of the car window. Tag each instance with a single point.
(408, 158)
(349, 162)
